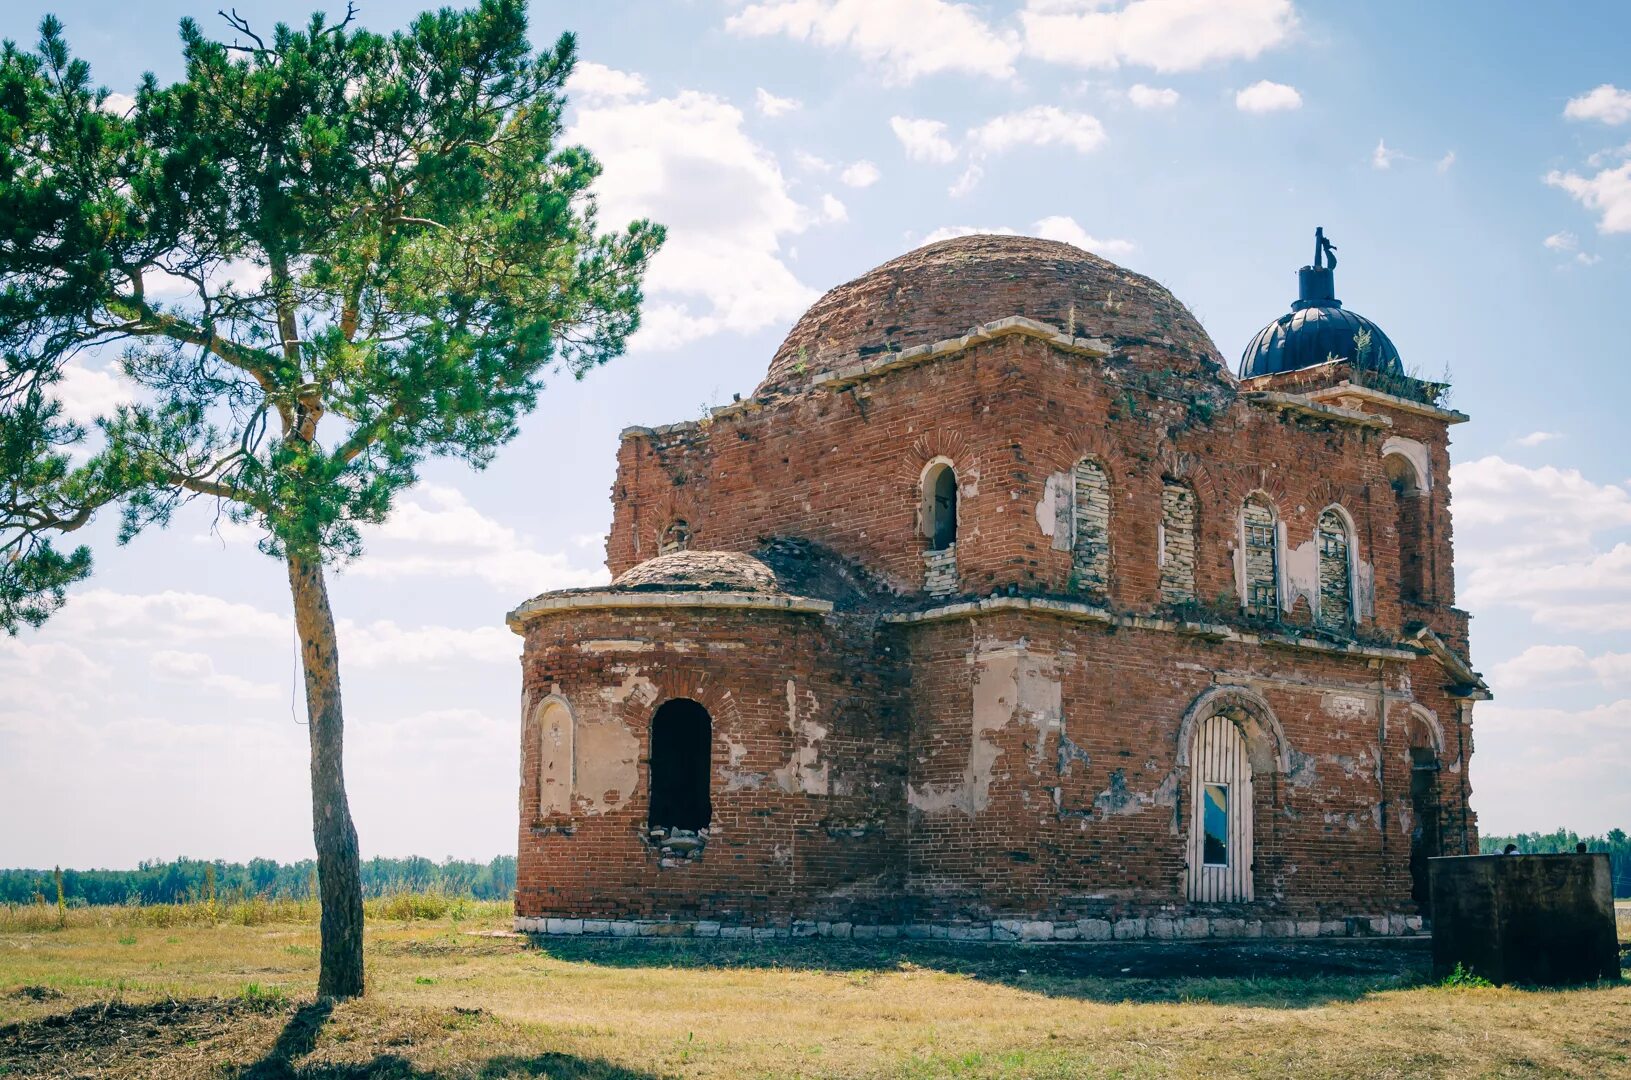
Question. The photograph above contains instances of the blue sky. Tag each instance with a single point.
(1471, 161)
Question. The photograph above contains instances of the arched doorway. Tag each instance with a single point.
(1427, 830)
(681, 748)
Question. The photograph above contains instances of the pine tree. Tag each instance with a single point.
(327, 255)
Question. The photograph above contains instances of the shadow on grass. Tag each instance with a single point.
(1292, 975)
(300, 1034)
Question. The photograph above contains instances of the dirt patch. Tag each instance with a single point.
(89, 1040)
(37, 993)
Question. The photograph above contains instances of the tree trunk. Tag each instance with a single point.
(339, 879)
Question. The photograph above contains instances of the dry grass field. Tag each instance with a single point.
(184, 992)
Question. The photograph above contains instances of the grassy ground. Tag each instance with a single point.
(120, 993)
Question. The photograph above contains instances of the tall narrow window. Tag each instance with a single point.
(1177, 543)
(940, 506)
(1090, 550)
(1261, 536)
(1220, 823)
(1410, 501)
(1336, 610)
(1215, 826)
(681, 743)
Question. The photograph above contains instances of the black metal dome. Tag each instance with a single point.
(1318, 328)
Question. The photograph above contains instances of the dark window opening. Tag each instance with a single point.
(1215, 822)
(1415, 584)
(681, 744)
(942, 507)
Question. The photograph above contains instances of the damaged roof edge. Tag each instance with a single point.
(602, 599)
(1472, 683)
(861, 370)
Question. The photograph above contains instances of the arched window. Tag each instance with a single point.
(676, 537)
(1090, 547)
(555, 758)
(1336, 607)
(1260, 535)
(1177, 543)
(940, 505)
(1412, 508)
(681, 748)
(1220, 819)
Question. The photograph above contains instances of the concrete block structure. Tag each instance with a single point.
(1002, 610)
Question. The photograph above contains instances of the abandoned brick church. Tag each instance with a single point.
(1003, 610)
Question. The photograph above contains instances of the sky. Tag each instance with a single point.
(1472, 162)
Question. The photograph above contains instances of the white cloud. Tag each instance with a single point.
(197, 672)
(1382, 157)
(591, 82)
(687, 162)
(861, 174)
(87, 393)
(168, 616)
(1167, 35)
(1535, 438)
(1445, 162)
(832, 209)
(772, 106)
(1150, 97)
(907, 39)
(1568, 764)
(1607, 103)
(118, 104)
(1057, 227)
(1528, 538)
(1556, 666)
(923, 140)
(811, 162)
(1067, 230)
(1561, 241)
(435, 532)
(1039, 125)
(383, 643)
(1265, 96)
(1608, 193)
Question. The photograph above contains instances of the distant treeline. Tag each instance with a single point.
(194, 879)
(1616, 843)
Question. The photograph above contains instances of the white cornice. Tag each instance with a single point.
(603, 599)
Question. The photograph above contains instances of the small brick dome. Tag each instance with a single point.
(710, 571)
(944, 290)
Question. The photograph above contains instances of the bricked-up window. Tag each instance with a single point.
(1336, 572)
(1090, 548)
(676, 537)
(1177, 547)
(1261, 537)
(555, 760)
(681, 745)
(1412, 509)
(940, 506)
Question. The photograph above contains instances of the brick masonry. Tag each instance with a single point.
(913, 763)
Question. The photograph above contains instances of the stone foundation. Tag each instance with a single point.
(1159, 928)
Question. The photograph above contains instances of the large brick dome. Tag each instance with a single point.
(945, 289)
